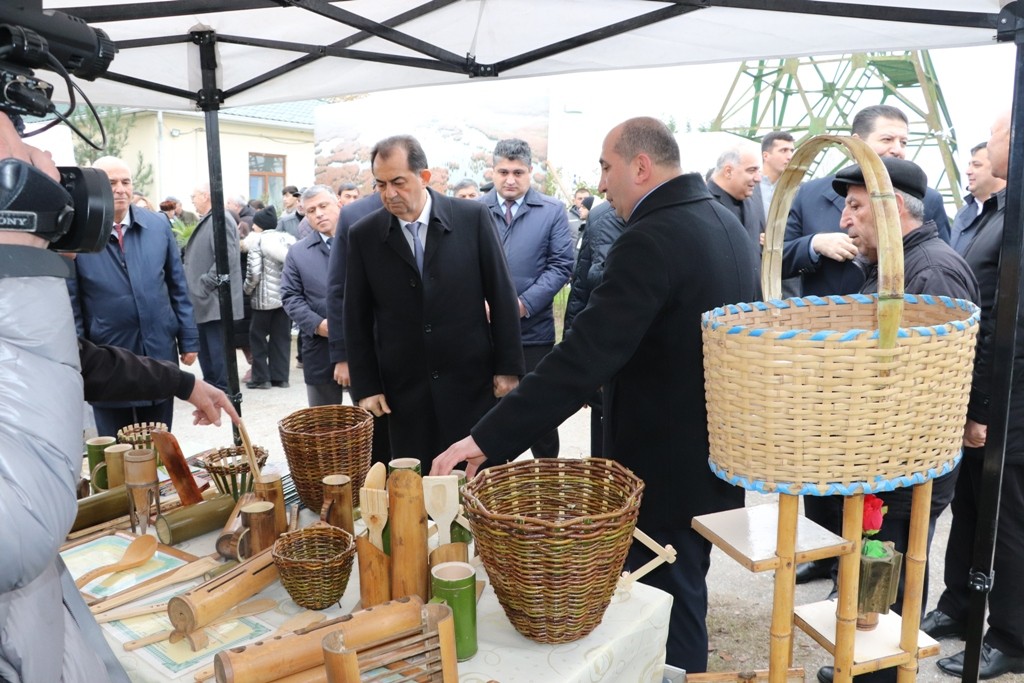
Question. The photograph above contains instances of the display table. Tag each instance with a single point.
(628, 645)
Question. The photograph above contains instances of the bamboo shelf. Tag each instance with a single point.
(748, 535)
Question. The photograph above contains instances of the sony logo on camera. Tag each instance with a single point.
(18, 220)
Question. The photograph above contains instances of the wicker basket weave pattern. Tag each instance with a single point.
(326, 440)
(553, 536)
(229, 468)
(801, 399)
(315, 564)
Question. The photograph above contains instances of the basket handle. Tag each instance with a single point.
(887, 224)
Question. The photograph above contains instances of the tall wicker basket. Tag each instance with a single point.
(553, 536)
(326, 440)
(823, 396)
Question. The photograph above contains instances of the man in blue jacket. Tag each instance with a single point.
(133, 295)
(534, 232)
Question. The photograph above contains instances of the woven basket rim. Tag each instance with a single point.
(710, 319)
(471, 502)
(283, 423)
(286, 539)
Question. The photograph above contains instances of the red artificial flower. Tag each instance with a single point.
(873, 512)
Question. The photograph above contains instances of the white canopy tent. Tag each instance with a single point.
(214, 53)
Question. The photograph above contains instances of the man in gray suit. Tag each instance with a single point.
(201, 275)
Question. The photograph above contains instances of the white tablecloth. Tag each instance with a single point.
(628, 645)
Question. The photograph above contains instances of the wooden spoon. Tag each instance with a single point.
(299, 621)
(246, 609)
(441, 499)
(374, 504)
(377, 477)
(250, 454)
(136, 554)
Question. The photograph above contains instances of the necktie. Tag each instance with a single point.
(330, 240)
(417, 251)
(120, 236)
(508, 211)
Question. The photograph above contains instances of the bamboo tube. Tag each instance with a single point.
(228, 542)
(408, 518)
(268, 487)
(913, 584)
(341, 664)
(337, 509)
(449, 552)
(440, 618)
(174, 462)
(374, 573)
(849, 581)
(184, 573)
(195, 520)
(204, 603)
(276, 658)
(260, 519)
(782, 606)
(101, 507)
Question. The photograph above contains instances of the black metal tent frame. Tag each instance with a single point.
(1008, 26)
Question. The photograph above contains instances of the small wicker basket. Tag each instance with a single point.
(326, 440)
(831, 395)
(314, 564)
(553, 535)
(229, 468)
(139, 435)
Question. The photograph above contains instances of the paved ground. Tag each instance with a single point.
(740, 609)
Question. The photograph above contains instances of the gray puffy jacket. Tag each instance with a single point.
(264, 265)
(47, 634)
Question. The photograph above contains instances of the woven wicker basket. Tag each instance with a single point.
(553, 536)
(314, 564)
(831, 395)
(229, 468)
(138, 435)
(326, 440)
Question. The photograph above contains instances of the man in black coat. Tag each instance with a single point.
(431, 315)
(681, 254)
(1003, 645)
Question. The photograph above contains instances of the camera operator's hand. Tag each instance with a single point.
(11, 145)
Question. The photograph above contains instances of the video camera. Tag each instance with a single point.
(77, 214)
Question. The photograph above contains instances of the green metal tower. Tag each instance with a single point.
(813, 95)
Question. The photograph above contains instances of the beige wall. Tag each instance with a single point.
(176, 148)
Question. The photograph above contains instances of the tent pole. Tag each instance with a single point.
(209, 102)
(1005, 342)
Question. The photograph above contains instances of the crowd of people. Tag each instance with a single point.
(435, 311)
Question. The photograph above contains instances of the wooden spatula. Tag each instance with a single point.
(138, 553)
(441, 499)
(374, 504)
(377, 476)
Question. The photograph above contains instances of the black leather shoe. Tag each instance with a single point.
(281, 385)
(993, 663)
(257, 385)
(812, 571)
(825, 675)
(940, 625)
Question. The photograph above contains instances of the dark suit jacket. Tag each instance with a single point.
(304, 297)
(350, 214)
(681, 254)
(435, 354)
(817, 208)
(753, 211)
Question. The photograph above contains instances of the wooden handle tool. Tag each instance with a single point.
(138, 553)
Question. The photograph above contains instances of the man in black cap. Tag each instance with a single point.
(930, 266)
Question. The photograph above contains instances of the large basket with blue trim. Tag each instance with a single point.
(841, 394)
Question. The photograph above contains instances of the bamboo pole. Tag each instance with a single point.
(914, 564)
(780, 649)
(849, 580)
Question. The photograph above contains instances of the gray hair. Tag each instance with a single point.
(734, 155)
(314, 190)
(513, 149)
(913, 206)
(647, 135)
(465, 183)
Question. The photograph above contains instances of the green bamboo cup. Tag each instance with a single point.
(454, 584)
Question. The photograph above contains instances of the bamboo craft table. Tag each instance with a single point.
(777, 537)
(629, 644)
